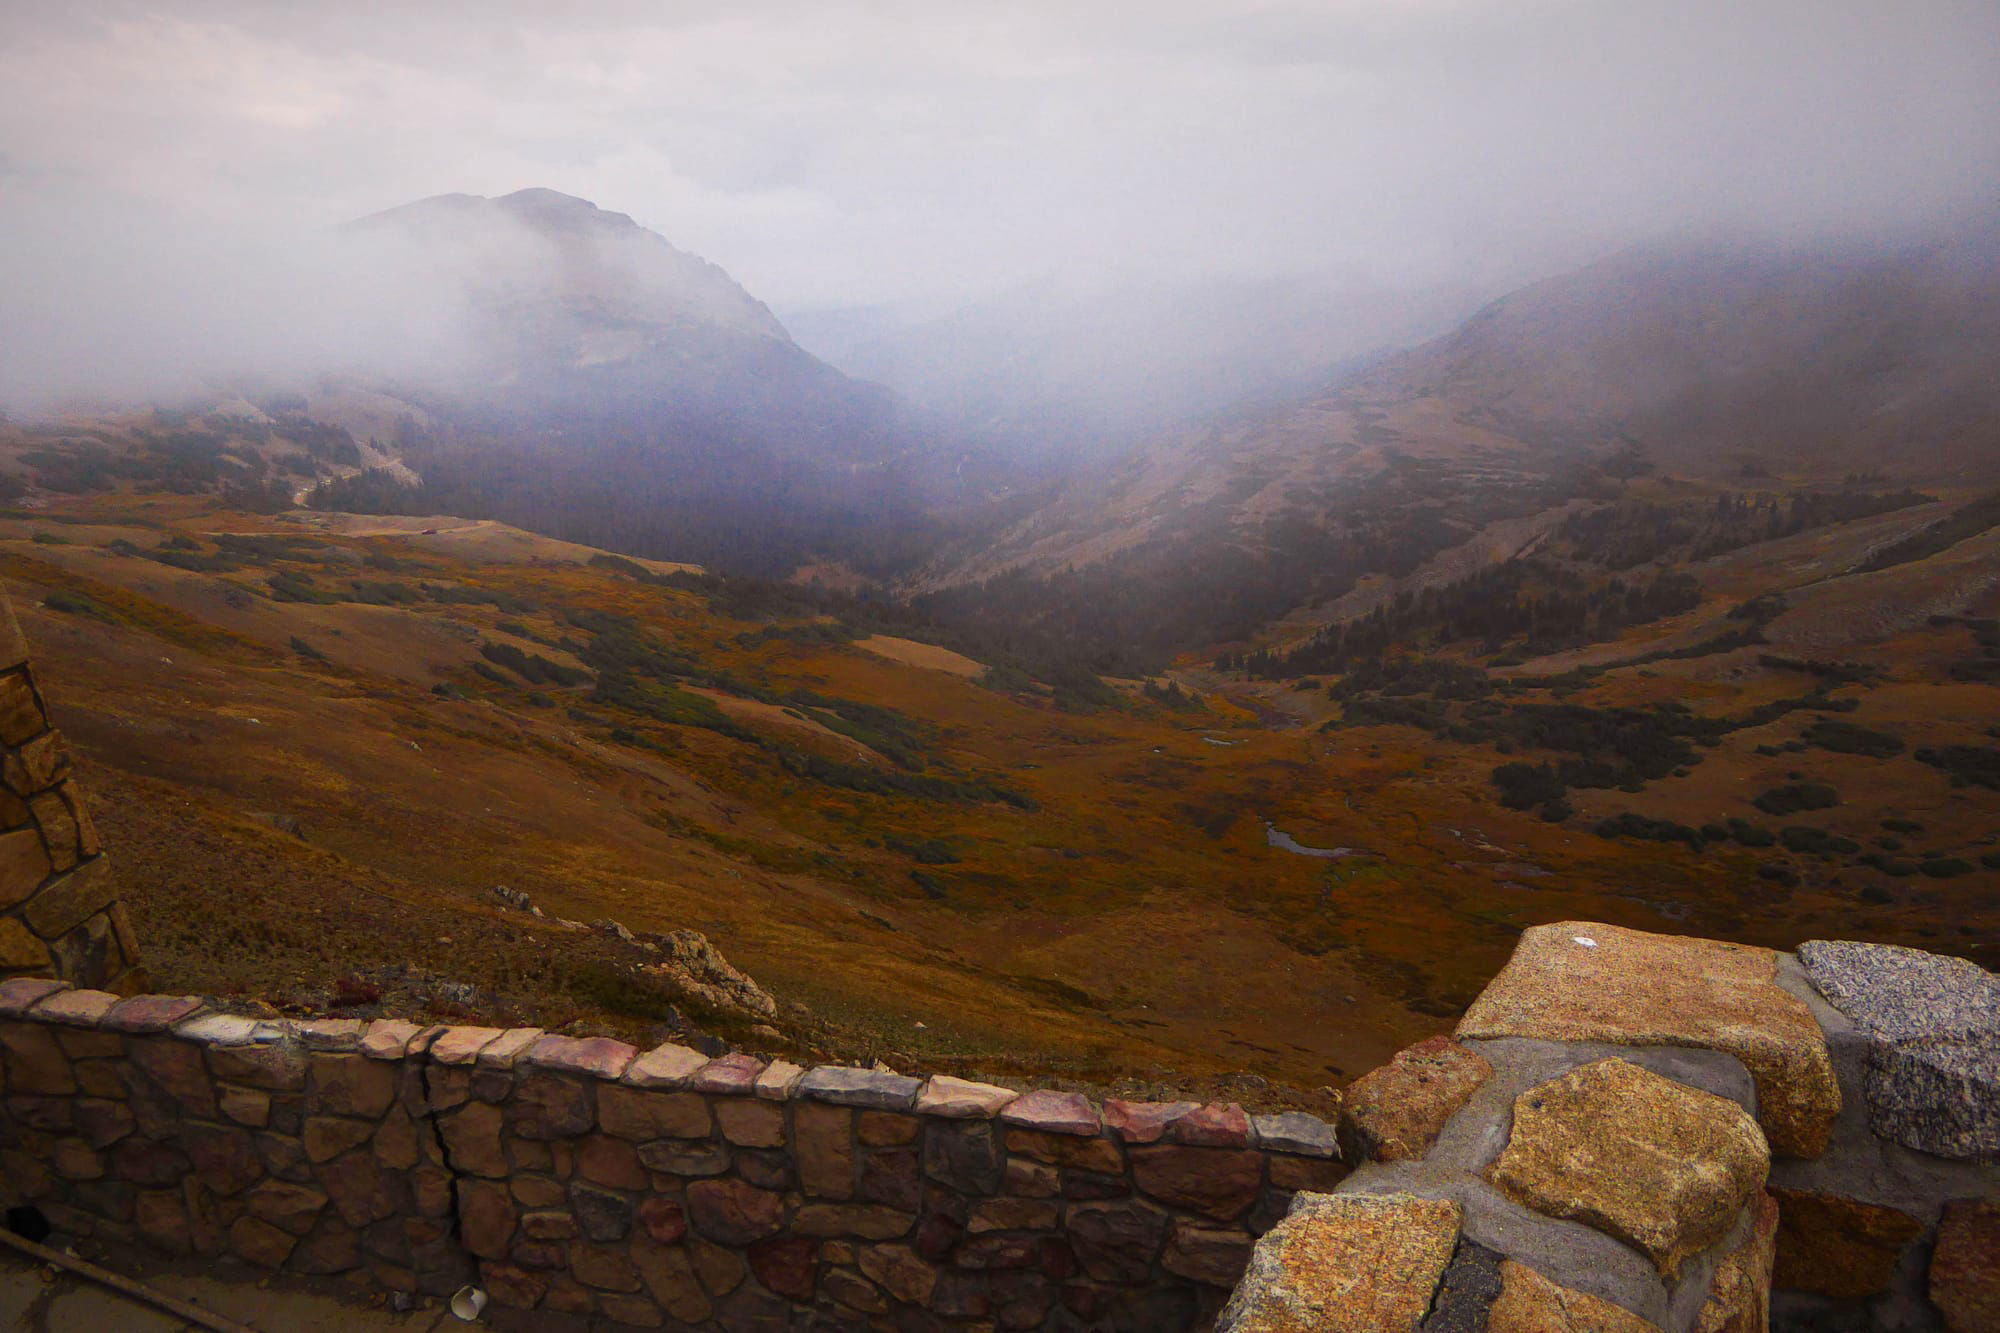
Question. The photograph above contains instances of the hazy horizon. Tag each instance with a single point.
(167, 168)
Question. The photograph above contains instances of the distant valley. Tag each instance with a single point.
(1665, 593)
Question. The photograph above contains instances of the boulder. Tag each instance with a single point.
(1530, 1303)
(1661, 1166)
(1839, 1247)
(1396, 1112)
(1582, 981)
(1346, 1263)
(1933, 1028)
(1965, 1273)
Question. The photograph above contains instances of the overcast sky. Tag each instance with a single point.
(828, 152)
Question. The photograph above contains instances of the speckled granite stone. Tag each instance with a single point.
(1346, 1263)
(1901, 994)
(1934, 1028)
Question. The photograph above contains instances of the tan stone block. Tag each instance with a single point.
(867, 1221)
(1837, 1246)
(67, 902)
(472, 1138)
(289, 1207)
(396, 1143)
(21, 717)
(1347, 1263)
(388, 1038)
(538, 1192)
(823, 1146)
(1641, 989)
(1396, 1112)
(13, 643)
(630, 1311)
(613, 1162)
(59, 832)
(260, 1243)
(35, 1063)
(76, 1160)
(1209, 1255)
(1083, 1154)
(640, 1114)
(24, 864)
(486, 1217)
(1013, 1214)
(751, 1124)
(245, 1106)
(1661, 1166)
(327, 1137)
(461, 1045)
(898, 1271)
(20, 949)
(86, 829)
(351, 1085)
(603, 1267)
(36, 766)
(887, 1129)
(1739, 1295)
(1218, 1183)
(162, 1220)
(1964, 1280)
(127, 941)
(102, 1078)
(721, 1270)
(1530, 1303)
(668, 1273)
(959, 1098)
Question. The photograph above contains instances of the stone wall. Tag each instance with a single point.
(583, 1183)
(1634, 1133)
(59, 908)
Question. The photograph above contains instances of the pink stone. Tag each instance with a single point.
(150, 1013)
(730, 1074)
(388, 1038)
(76, 1008)
(961, 1099)
(20, 995)
(778, 1079)
(331, 1034)
(1053, 1113)
(667, 1066)
(1143, 1122)
(600, 1057)
(460, 1046)
(507, 1047)
(1213, 1126)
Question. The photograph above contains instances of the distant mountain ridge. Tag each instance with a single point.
(1747, 365)
(607, 386)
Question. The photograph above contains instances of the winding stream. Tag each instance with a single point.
(1285, 842)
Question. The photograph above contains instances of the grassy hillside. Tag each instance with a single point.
(950, 869)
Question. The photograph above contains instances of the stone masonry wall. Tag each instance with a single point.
(585, 1184)
(1634, 1133)
(59, 908)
